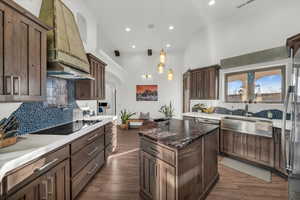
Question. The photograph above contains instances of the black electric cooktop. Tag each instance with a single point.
(68, 128)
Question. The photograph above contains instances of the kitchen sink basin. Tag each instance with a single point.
(248, 126)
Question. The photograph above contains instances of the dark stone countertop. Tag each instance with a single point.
(178, 133)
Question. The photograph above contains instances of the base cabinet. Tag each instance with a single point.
(184, 174)
(54, 185)
(63, 173)
(253, 148)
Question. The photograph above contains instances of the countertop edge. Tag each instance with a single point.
(37, 153)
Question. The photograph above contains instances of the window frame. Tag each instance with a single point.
(251, 86)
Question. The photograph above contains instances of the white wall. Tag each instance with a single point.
(238, 35)
(137, 64)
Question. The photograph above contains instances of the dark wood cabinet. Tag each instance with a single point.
(92, 89)
(33, 191)
(63, 173)
(279, 160)
(204, 83)
(252, 148)
(23, 40)
(148, 175)
(186, 92)
(170, 174)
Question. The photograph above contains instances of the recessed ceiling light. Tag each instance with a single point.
(212, 2)
(171, 27)
(133, 46)
(168, 45)
(127, 29)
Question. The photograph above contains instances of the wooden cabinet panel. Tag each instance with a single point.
(53, 185)
(166, 181)
(85, 175)
(23, 50)
(249, 147)
(148, 175)
(203, 83)
(210, 159)
(86, 139)
(86, 154)
(227, 141)
(92, 89)
(57, 182)
(279, 160)
(32, 191)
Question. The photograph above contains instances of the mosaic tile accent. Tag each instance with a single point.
(39, 115)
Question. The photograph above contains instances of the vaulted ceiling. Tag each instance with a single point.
(187, 16)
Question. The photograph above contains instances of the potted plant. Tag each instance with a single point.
(167, 111)
(125, 116)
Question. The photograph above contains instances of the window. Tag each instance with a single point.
(266, 86)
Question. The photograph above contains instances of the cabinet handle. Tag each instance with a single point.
(46, 166)
(45, 184)
(93, 137)
(51, 192)
(19, 85)
(93, 170)
(7, 80)
(154, 150)
(92, 152)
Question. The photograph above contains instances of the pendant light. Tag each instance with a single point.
(160, 68)
(162, 56)
(170, 75)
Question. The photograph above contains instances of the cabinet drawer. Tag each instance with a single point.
(158, 151)
(36, 168)
(84, 176)
(88, 138)
(86, 154)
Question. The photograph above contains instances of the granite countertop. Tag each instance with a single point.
(179, 133)
(277, 123)
(30, 147)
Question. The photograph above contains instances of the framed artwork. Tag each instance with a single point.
(146, 93)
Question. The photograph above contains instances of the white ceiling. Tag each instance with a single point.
(187, 16)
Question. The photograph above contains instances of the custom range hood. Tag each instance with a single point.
(66, 55)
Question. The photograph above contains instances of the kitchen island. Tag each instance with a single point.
(178, 161)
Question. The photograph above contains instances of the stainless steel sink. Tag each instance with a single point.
(248, 126)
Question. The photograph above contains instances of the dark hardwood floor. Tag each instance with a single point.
(119, 179)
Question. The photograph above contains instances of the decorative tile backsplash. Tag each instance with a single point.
(39, 115)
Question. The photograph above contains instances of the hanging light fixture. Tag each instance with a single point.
(162, 56)
(170, 75)
(160, 68)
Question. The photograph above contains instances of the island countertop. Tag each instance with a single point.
(178, 133)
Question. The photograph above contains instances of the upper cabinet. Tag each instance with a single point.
(23, 60)
(92, 89)
(204, 83)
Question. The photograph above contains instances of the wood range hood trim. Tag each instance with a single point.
(65, 47)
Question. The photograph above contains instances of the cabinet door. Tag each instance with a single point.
(24, 54)
(265, 151)
(166, 181)
(33, 191)
(57, 182)
(227, 141)
(148, 175)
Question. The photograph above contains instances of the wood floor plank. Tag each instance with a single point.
(119, 179)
